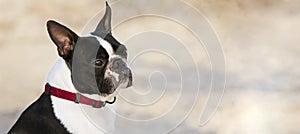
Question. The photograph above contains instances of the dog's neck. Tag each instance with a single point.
(76, 117)
(60, 77)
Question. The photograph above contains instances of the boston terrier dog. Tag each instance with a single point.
(82, 82)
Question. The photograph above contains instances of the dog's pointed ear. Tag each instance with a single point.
(104, 26)
(64, 38)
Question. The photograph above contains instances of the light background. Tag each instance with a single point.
(260, 39)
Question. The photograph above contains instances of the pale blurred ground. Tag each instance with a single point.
(261, 46)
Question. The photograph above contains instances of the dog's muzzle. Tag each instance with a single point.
(118, 73)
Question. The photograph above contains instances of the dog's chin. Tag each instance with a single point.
(107, 97)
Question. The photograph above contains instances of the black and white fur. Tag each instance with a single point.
(96, 76)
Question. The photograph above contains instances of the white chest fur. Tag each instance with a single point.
(77, 118)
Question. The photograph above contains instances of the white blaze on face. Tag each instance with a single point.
(114, 74)
(107, 46)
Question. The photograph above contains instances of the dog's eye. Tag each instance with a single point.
(98, 63)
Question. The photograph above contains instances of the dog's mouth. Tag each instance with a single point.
(109, 97)
(104, 94)
(108, 86)
(115, 80)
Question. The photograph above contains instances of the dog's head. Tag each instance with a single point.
(98, 62)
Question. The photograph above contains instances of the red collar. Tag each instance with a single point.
(75, 97)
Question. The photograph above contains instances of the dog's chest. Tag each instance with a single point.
(77, 118)
(81, 119)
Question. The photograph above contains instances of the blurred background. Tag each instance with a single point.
(260, 40)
